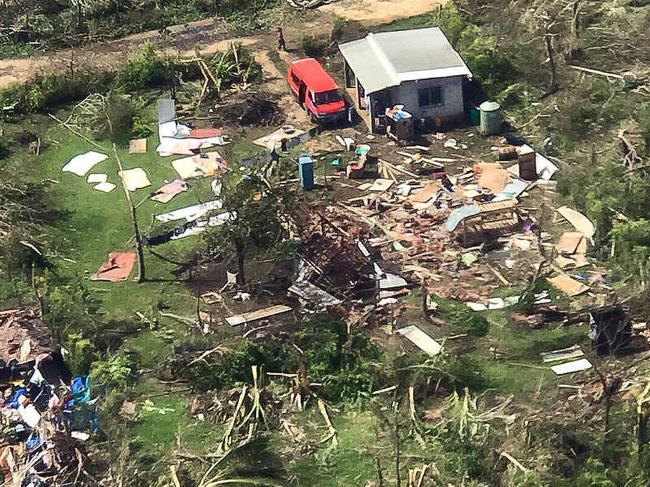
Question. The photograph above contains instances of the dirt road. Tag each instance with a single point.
(380, 11)
(205, 36)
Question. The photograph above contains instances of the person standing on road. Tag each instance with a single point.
(282, 44)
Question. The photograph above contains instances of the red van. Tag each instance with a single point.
(316, 90)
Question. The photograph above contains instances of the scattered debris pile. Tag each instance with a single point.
(47, 413)
(331, 254)
(252, 110)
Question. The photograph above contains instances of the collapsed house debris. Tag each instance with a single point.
(47, 414)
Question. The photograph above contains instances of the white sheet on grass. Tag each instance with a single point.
(190, 213)
(135, 178)
(174, 140)
(200, 227)
(105, 187)
(97, 178)
(83, 163)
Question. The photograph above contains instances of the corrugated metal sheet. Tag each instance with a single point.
(166, 110)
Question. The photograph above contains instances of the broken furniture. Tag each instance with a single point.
(482, 222)
(399, 123)
(527, 164)
(610, 330)
(356, 167)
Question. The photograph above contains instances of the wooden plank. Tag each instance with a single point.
(257, 315)
(567, 285)
(428, 192)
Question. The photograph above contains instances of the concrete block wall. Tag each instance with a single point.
(452, 108)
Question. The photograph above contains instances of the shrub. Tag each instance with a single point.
(116, 121)
(478, 325)
(52, 90)
(141, 128)
(117, 371)
(312, 46)
(145, 69)
(345, 30)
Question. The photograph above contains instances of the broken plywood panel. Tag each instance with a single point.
(138, 146)
(567, 285)
(572, 243)
(428, 192)
(580, 222)
(421, 340)
(260, 314)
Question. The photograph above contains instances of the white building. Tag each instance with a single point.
(416, 68)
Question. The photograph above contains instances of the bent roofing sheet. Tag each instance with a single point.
(459, 214)
(386, 59)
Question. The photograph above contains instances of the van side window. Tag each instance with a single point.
(294, 78)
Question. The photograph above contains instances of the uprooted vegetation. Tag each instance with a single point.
(329, 390)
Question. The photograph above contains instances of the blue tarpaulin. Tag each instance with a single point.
(458, 215)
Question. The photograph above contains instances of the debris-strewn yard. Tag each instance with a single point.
(202, 287)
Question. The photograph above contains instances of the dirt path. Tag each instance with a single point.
(204, 35)
(380, 11)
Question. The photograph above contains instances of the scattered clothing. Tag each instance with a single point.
(199, 166)
(190, 213)
(167, 192)
(117, 268)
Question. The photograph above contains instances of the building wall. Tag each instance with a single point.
(452, 108)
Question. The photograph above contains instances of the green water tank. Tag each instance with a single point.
(491, 120)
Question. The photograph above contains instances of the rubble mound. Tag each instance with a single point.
(256, 110)
(23, 336)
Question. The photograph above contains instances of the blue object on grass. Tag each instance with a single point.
(306, 170)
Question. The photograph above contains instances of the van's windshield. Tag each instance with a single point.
(325, 97)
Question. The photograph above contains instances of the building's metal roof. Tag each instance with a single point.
(387, 59)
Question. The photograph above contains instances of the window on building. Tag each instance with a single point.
(430, 96)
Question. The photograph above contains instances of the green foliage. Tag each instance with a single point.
(595, 474)
(466, 372)
(313, 46)
(81, 353)
(345, 30)
(117, 371)
(115, 121)
(141, 129)
(462, 319)
(342, 362)
(451, 22)
(145, 69)
(52, 90)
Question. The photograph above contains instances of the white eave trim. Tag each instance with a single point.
(435, 73)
